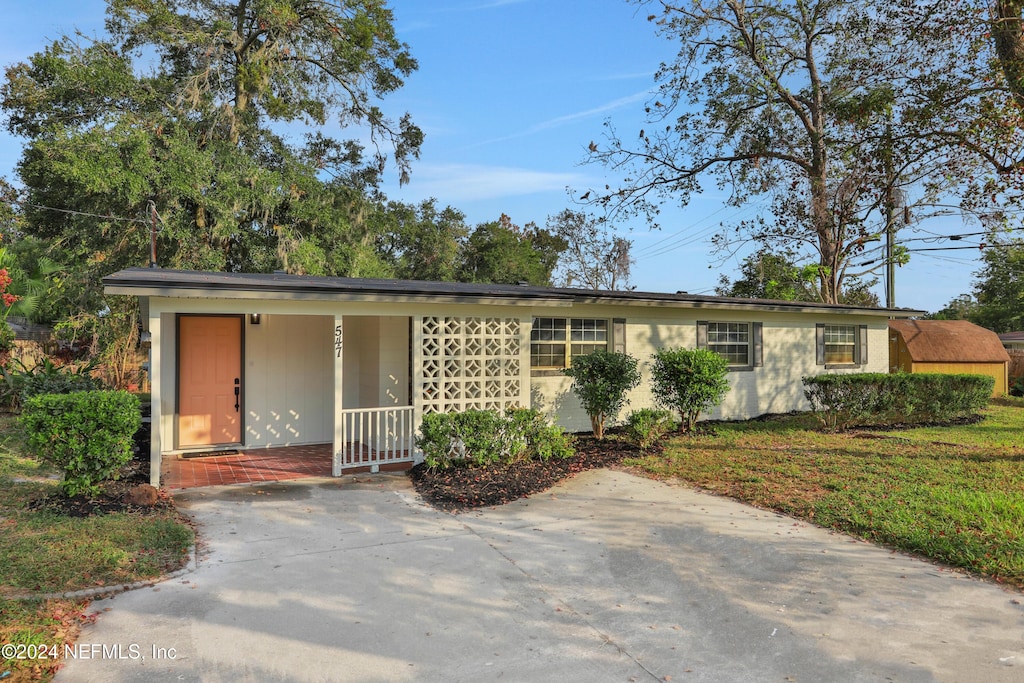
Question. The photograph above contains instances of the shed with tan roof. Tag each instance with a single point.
(947, 346)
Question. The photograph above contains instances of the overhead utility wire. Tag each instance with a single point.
(78, 213)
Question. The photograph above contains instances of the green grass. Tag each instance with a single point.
(955, 494)
(45, 552)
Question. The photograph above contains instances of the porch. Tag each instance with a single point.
(387, 446)
(247, 466)
(295, 384)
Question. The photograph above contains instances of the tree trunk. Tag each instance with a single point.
(1008, 36)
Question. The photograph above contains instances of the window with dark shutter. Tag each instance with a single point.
(739, 343)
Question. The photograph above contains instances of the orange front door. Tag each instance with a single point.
(209, 376)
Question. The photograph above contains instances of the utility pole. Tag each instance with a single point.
(890, 223)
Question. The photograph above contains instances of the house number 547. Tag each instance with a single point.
(337, 340)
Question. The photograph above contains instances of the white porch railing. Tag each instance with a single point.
(373, 437)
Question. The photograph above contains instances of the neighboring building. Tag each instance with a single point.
(259, 361)
(1012, 341)
(948, 346)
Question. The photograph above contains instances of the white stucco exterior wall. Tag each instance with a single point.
(289, 383)
(789, 345)
(290, 358)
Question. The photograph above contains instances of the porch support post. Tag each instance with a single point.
(155, 413)
(416, 400)
(339, 392)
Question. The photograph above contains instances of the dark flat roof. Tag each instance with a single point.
(157, 279)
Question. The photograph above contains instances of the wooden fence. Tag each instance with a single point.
(1016, 364)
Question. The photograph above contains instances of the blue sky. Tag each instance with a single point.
(509, 94)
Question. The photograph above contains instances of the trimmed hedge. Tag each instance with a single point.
(87, 434)
(485, 437)
(840, 401)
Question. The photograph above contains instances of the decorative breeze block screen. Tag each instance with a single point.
(471, 363)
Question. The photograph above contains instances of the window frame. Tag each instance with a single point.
(586, 337)
(755, 342)
(860, 345)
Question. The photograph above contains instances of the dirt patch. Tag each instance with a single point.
(465, 488)
(114, 496)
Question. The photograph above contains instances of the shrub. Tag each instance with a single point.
(485, 437)
(88, 434)
(689, 382)
(840, 401)
(18, 383)
(645, 426)
(601, 380)
(6, 336)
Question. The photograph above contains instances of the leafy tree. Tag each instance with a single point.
(998, 299)
(999, 290)
(502, 252)
(600, 380)
(959, 70)
(794, 102)
(768, 275)
(962, 307)
(195, 135)
(593, 258)
(689, 381)
(418, 242)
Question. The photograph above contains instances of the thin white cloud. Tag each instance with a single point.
(454, 183)
(588, 113)
(624, 76)
(569, 118)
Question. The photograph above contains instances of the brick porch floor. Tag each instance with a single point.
(247, 467)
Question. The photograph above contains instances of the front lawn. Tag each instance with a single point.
(954, 494)
(43, 549)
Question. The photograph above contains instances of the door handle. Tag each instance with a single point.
(237, 392)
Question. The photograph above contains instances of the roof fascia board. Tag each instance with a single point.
(739, 306)
(346, 297)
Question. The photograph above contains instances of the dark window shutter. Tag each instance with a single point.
(819, 331)
(702, 334)
(619, 335)
(758, 348)
(862, 357)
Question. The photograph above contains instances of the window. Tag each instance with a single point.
(731, 340)
(842, 344)
(550, 337)
(738, 343)
(547, 343)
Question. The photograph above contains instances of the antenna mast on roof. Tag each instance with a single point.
(152, 235)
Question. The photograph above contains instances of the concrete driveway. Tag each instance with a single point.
(608, 577)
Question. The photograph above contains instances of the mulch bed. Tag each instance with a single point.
(464, 488)
(114, 495)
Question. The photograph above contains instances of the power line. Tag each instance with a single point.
(72, 212)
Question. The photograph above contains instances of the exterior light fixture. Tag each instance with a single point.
(254, 318)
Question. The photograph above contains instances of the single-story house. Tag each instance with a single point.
(948, 346)
(1012, 341)
(253, 361)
